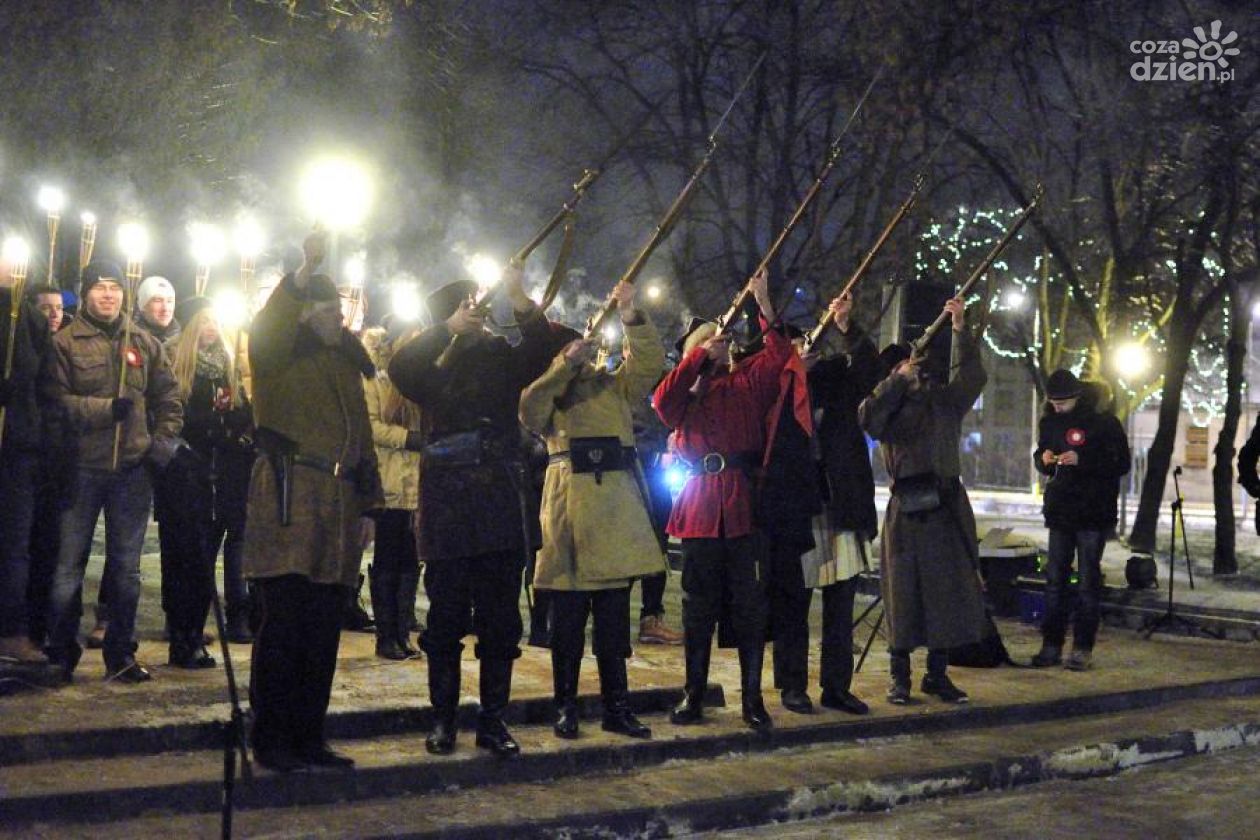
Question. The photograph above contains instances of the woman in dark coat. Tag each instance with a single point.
(929, 557)
(1085, 452)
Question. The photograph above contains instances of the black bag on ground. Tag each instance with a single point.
(989, 652)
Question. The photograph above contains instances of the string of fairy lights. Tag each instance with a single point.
(951, 246)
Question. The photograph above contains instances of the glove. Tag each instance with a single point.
(415, 441)
(121, 408)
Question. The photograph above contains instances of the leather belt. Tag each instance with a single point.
(715, 463)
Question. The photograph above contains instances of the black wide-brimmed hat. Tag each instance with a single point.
(443, 302)
(893, 355)
(1063, 385)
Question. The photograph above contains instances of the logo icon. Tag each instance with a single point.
(1203, 58)
(1075, 437)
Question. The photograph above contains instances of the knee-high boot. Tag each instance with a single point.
(496, 688)
(696, 651)
(444, 677)
(750, 661)
(614, 687)
(566, 667)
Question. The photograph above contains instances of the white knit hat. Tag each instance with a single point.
(151, 288)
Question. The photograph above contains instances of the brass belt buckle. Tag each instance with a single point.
(713, 463)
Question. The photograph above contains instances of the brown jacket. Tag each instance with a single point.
(83, 371)
(313, 395)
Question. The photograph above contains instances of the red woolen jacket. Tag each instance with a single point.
(728, 416)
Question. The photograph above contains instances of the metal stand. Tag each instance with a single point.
(1170, 619)
(870, 640)
(234, 730)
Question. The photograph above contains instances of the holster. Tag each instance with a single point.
(919, 493)
(280, 452)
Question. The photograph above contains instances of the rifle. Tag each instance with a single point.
(727, 319)
(667, 222)
(919, 347)
(828, 319)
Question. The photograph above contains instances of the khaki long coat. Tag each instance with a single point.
(596, 535)
(928, 561)
(312, 394)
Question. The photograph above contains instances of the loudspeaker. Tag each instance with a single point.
(909, 308)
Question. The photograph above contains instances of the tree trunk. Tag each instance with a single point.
(1224, 560)
(1159, 456)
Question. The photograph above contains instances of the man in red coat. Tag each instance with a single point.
(719, 412)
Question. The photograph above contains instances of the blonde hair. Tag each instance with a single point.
(184, 356)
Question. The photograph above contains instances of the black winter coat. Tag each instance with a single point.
(837, 386)
(472, 510)
(1082, 497)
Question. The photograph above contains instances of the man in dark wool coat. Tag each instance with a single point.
(928, 554)
(474, 526)
(307, 497)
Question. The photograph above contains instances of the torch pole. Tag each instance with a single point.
(54, 222)
(134, 270)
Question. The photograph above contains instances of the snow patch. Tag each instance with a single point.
(867, 795)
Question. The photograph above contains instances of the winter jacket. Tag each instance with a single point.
(400, 467)
(1082, 497)
(82, 371)
(31, 344)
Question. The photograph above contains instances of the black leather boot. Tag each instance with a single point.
(189, 652)
(444, 697)
(405, 610)
(565, 669)
(615, 689)
(496, 688)
(750, 660)
(899, 684)
(696, 652)
(936, 681)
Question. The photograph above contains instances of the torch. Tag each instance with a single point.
(337, 192)
(208, 247)
(133, 239)
(87, 239)
(15, 255)
(52, 200)
(355, 272)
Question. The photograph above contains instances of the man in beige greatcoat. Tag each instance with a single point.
(597, 535)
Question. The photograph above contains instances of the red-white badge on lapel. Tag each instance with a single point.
(132, 355)
(1075, 437)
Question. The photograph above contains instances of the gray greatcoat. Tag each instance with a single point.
(929, 574)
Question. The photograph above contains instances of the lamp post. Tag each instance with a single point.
(52, 200)
(1130, 361)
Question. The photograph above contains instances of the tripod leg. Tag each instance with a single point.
(1185, 546)
(870, 640)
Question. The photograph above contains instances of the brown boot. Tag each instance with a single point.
(654, 631)
(96, 639)
(21, 649)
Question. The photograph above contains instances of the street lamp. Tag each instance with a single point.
(1131, 361)
(52, 200)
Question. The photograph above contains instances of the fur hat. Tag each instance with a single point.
(443, 302)
(153, 287)
(94, 271)
(698, 331)
(1062, 385)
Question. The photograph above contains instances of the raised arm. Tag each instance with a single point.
(538, 400)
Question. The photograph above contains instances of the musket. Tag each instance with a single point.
(828, 320)
(670, 219)
(918, 347)
(727, 320)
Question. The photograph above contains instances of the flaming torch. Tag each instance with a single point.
(208, 247)
(133, 239)
(87, 239)
(52, 200)
(15, 255)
